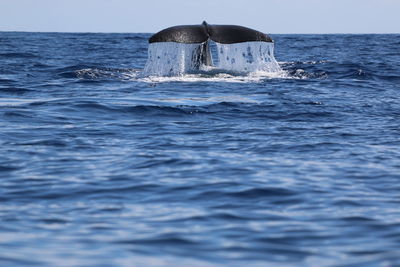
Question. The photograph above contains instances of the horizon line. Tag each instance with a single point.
(122, 32)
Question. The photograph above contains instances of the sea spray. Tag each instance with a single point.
(174, 59)
(247, 57)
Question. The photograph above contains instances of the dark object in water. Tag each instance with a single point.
(201, 34)
(224, 34)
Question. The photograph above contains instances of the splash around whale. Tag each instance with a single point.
(209, 48)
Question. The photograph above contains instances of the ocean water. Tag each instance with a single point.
(102, 166)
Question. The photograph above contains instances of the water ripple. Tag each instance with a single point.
(100, 166)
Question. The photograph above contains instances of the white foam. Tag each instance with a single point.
(257, 76)
(247, 57)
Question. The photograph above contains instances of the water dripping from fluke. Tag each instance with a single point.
(209, 49)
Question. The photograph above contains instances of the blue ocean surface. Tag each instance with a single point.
(101, 166)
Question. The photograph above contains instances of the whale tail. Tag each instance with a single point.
(186, 48)
(224, 34)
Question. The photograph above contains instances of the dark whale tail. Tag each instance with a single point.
(224, 34)
(187, 48)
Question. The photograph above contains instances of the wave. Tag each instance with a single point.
(324, 69)
(88, 73)
(94, 72)
(217, 76)
(64, 110)
(15, 90)
(311, 70)
(136, 38)
(299, 70)
(18, 55)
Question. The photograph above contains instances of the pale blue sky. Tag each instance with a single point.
(269, 16)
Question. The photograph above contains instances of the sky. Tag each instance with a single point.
(269, 16)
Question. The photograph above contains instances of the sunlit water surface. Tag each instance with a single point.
(102, 166)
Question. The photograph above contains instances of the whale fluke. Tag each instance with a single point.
(187, 34)
(190, 48)
(224, 34)
(230, 34)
